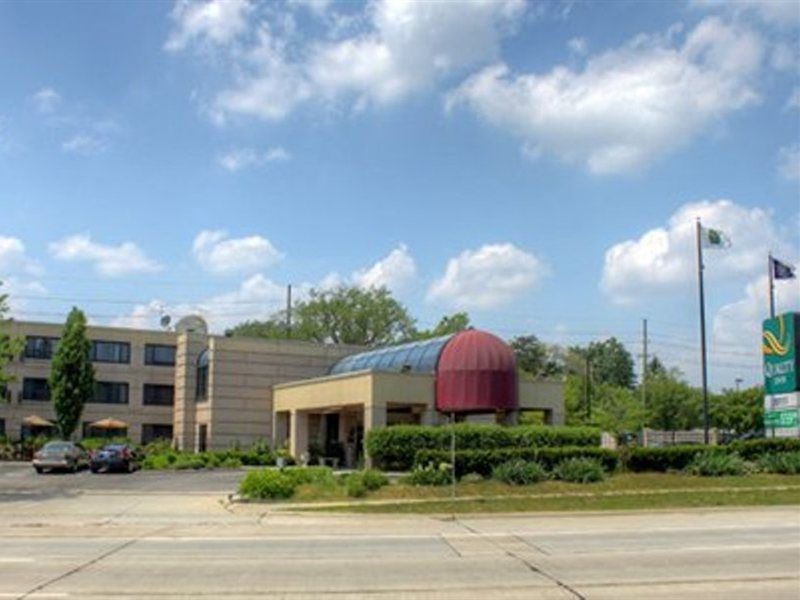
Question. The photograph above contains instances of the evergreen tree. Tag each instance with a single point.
(72, 376)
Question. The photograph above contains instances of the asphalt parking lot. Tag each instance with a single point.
(20, 479)
(172, 535)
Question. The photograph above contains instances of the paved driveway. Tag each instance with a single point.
(20, 479)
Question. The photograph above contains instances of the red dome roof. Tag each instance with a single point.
(477, 372)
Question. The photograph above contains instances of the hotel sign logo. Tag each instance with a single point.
(780, 349)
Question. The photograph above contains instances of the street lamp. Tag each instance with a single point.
(738, 381)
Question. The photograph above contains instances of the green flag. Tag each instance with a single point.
(714, 238)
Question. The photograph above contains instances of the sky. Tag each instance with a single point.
(540, 165)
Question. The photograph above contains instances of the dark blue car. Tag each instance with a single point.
(114, 457)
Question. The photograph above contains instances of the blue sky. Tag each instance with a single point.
(539, 165)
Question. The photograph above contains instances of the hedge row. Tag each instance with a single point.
(679, 457)
(483, 462)
(394, 448)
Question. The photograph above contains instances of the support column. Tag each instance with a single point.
(280, 426)
(374, 417)
(298, 435)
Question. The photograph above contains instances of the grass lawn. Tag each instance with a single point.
(619, 492)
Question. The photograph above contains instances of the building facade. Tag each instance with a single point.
(206, 392)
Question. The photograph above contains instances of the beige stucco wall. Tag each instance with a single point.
(543, 395)
(242, 373)
(135, 373)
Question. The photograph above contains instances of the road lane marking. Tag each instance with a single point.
(16, 560)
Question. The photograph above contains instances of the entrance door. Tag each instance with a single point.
(333, 447)
(202, 438)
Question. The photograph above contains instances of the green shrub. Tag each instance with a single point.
(303, 475)
(580, 470)
(670, 458)
(95, 443)
(471, 478)
(783, 463)
(188, 461)
(717, 464)
(754, 449)
(356, 487)
(156, 462)
(231, 462)
(519, 472)
(483, 462)
(373, 479)
(430, 475)
(396, 447)
(267, 484)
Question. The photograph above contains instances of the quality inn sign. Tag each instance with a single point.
(780, 346)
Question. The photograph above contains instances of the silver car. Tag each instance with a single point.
(67, 456)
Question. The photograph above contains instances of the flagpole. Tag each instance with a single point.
(702, 329)
(771, 287)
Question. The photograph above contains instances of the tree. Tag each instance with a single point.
(537, 358)
(345, 315)
(352, 315)
(10, 347)
(274, 328)
(617, 410)
(738, 411)
(671, 403)
(72, 376)
(611, 363)
(447, 325)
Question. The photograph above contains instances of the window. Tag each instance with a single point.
(110, 392)
(5, 394)
(158, 395)
(2, 428)
(37, 346)
(157, 354)
(201, 391)
(111, 352)
(155, 431)
(35, 389)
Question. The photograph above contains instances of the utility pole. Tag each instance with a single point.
(770, 270)
(289, 311)
(703, 362)
(644, 363)
(588, 388)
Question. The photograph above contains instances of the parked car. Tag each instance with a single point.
(115, 457)
(66, 456)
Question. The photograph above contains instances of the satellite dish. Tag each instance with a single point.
(192, 324)
(165, 321)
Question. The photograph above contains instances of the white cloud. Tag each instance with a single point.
(219, 254)
(489, 277)
(794, 100)
(257, 297)
(215, 22)
(85, 144)
(243, 158)
(14, 258)
(399, 48)
(627, 106)
(776, 12)
(738, 324)
(46, 100)
(111, 261)
(395, 271)
(577, 45)
(789, 162)
(663, 259)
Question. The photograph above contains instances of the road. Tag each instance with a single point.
(162, 536)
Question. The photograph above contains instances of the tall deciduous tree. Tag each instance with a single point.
(10, 347)
(671, 403)
(537, 358)
(72, 376)
(345, 315)
(447, 324)
(611, 363)
(738, 411)
(352, 315)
